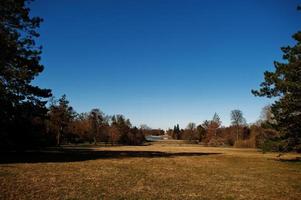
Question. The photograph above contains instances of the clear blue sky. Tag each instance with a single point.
(162, 62)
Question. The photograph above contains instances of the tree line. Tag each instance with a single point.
(261, 134)
(27, 122)
(64, 125)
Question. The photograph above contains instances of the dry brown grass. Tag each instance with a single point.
(233, 174)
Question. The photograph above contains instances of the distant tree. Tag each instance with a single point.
(211, 128)
(201, 131)
(266, 114)
(123, 125)
(216, 119)
(81, 126)
(20, 102)
(146, 130)
(267, 118)
(96, 119)
(215, 123)
(206, 124)
(237, 120)
(191, 126)
(149, 131)
(144, 127)
(190, 132)
(285, 83)
(177, 132)
(136, 136)
(169, 132)
(60, 117)
(114, 134)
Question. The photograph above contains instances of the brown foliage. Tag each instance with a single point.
(114, 135)
(150, 131)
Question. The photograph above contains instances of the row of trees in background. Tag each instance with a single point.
(238, 134)
(64, 125)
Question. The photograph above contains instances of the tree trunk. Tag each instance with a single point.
(237, 134)
(94, 140)
(58, 137)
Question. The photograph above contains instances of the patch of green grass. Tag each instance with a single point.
(232, 174)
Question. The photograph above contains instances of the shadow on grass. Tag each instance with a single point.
(74, 155)
(293, 160)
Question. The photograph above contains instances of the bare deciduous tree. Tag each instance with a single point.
(237, 120)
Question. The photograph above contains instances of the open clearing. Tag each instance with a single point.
(158, 171)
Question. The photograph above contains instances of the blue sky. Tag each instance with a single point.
(162, 62)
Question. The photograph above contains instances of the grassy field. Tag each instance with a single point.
(159, 171)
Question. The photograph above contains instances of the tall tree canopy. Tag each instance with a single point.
(237, 118)
(285, 84)
(19, 65)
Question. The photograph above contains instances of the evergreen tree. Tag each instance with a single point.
(20, 101)
(285, 84)
(177, 132)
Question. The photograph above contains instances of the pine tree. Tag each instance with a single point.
(285, 84)
(20, 101)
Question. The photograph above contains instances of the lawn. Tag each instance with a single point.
(158, 171)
